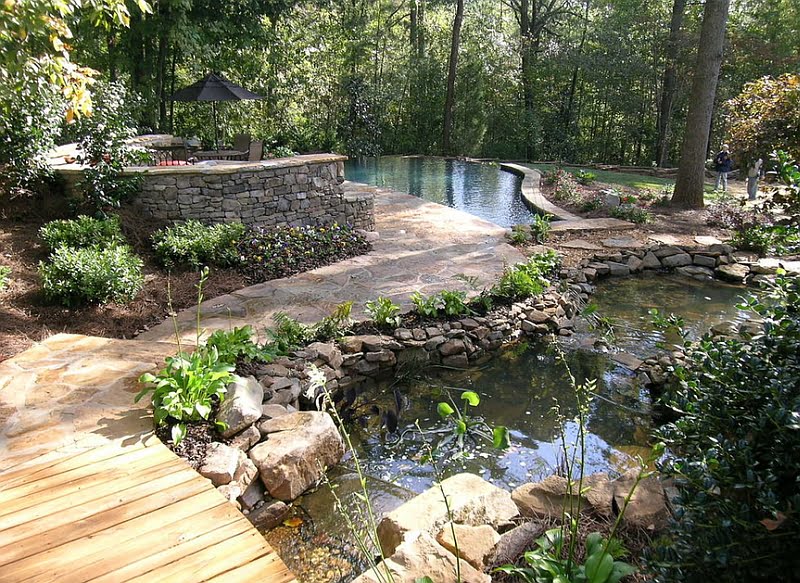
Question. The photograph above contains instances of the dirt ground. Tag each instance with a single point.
(26, 317)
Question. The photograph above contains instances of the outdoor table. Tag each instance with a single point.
(220, 155)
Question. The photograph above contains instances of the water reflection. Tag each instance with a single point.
(479, 189)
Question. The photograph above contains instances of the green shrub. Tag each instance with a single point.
(336, 325)
(186, 388)
(632, 213)
(82, 232)
(194, 244)
(384, 312)
(283, 251)
(528, 279)
(592, 203)
(585, 177)
(93, 274)
(446, 302)
(768, 239)
(733, 451)
(237, 344)
(520, 234)
(540, 227)
(287, 335)
(565, 188)
(5, 276)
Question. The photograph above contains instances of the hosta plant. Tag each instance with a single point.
(185, 389)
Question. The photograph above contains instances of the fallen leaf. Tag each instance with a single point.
(770, 524)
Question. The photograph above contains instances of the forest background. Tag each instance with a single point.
(568, 80)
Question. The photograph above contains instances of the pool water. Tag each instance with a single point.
(482, 190)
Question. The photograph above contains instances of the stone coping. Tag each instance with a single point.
(208, 166)
(532, 194)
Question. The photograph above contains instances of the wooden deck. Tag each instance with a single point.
(118, 508)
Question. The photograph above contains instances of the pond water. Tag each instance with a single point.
(627, 302)
(519, 389)
(482, 190)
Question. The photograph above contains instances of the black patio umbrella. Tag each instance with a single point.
(213, 88)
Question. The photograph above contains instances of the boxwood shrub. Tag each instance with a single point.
(282, 251)
(194, 244)
(733, 451)
(82, 232)
(74, 276)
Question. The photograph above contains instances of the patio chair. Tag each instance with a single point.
(256, 150)
(241, 143)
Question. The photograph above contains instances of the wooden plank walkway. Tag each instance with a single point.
(124, 508)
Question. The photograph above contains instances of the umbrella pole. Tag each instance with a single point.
(216, 128)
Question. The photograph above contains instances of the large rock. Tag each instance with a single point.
(735, 272)
(647, 507)
(650, 261)
(298, 447)
(220, 463)
(328, 353)
(515, 542)
(269, 516)
(677, 260)
(473, 501)
(475, 543)
(421, 556)
(548, 498)
(618, 269)
(241, 406)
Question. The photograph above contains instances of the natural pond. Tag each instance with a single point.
(482, 190)
(627, 301)
(525, 388)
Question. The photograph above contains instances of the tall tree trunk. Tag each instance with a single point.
(452, 67)
(568, 111)
(669, 84)
(691, 170)
(161, 73)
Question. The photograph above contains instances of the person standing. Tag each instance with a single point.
(753, 173)
(723, 164)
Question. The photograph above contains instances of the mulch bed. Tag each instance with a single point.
(27, 317)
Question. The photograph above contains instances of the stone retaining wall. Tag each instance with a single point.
(301, 190)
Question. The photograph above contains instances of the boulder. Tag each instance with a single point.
(547, 499)
(650, 261)
(515, 542)
(667, 251)
(220, 463)
(269, 516)
(246, 473)
(696, 272)
(241, 406)
(476, 544)
(636, 265)
(647, 507)
(735, 272)
(420, 556)
(298, 447)
(231, 492)
(618, 269)
(473, 501)
(676, 260)
(252, 495)
(452, 347)
(705, 261)
(246, 439)
(327, 352)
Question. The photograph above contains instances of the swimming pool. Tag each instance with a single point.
(483, 190)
